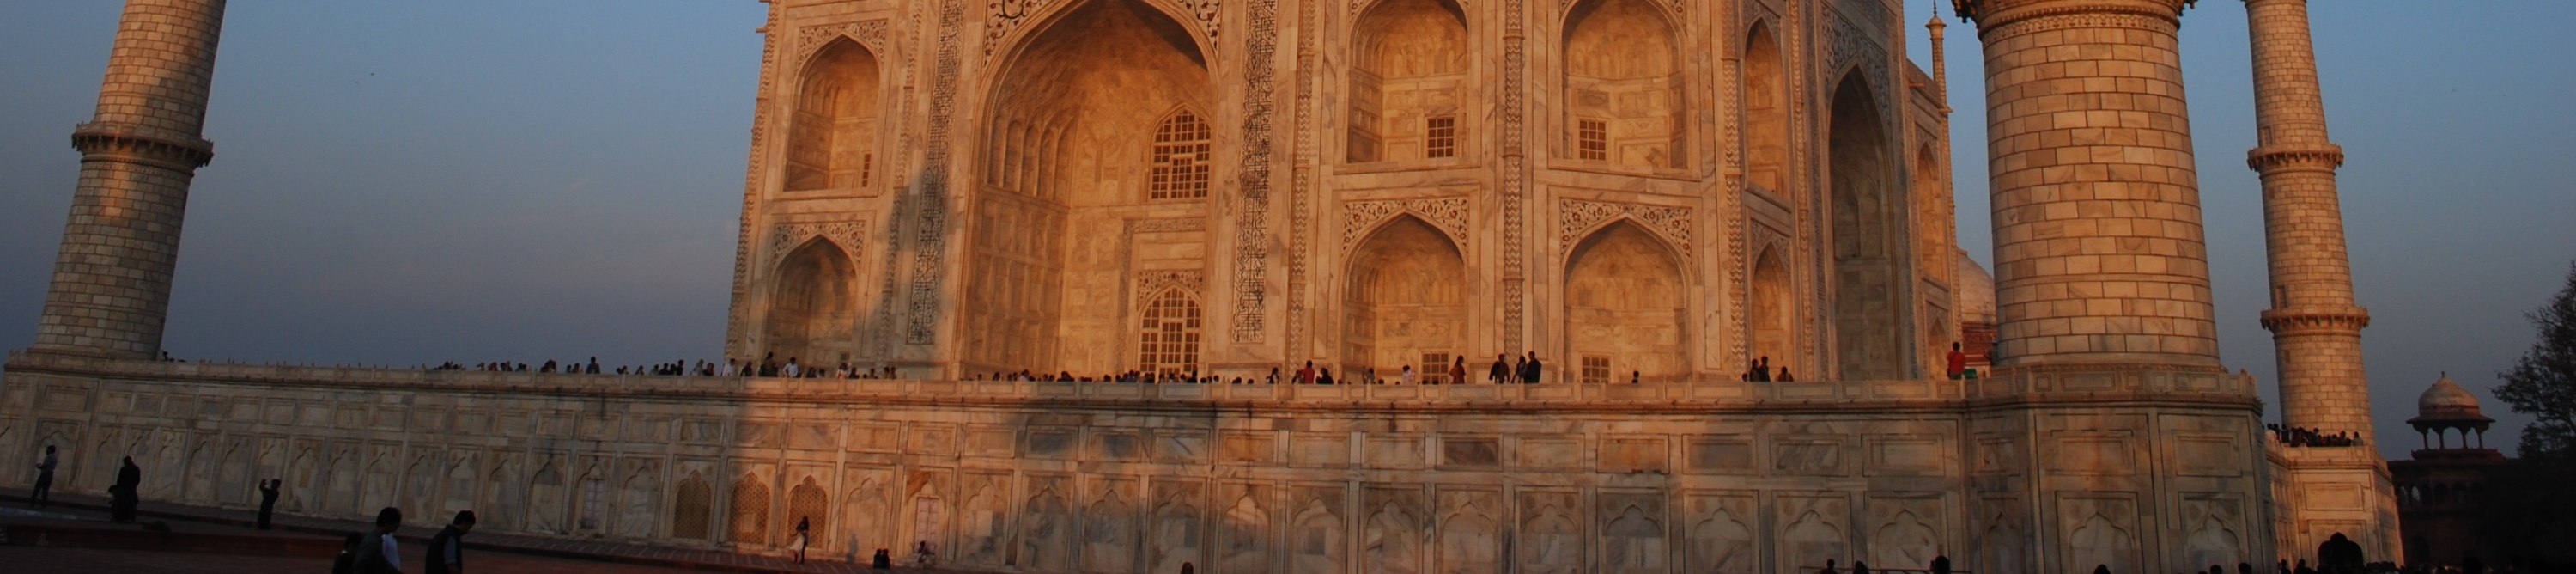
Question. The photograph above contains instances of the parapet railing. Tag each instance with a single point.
(1707, 393)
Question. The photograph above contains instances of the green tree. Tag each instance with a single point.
(2543, 383)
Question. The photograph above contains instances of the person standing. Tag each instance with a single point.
(1458, 371)
(268, 500)
(44, 491)
(1531, 371)
(1499, 372)
(1958, 362)
(1407, 377)
(122, 495)
(377, 553)
(804, 528)
(447, 550)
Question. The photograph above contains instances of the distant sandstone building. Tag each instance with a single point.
(1656, 189)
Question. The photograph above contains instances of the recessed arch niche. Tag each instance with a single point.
(1868, 315)
(1407, 298)
(813, 310)
(1773, 311)
(1408, 81)
(1623, 85)
(831, 141)
(1070, 153)
(1766, 111)
(1624, 306)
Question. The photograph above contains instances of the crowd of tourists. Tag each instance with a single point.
(2298, 436)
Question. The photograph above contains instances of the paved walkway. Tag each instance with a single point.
(540, 554)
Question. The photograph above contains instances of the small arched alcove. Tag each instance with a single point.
(1406, 302)
(813, 306)
(1623, 85)
(831, 141)
(1624, 307)
(1408, 81)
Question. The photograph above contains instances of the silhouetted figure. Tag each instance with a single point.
(44, 492)
(122, 496)
(2244, 568)
(2101, 569)
(2216, 569)
(2285, 567)
(268, 501)
(2303, 568)
(884, 560)
(376, 552)
(1829, 567)
(1188, 568)
(347, 561)
(1531, 372)
(1941, 564)
(1785, 377)
(921, 554)
(1499, 372)
(446, 553)
(2339, 555)
(1859, 567)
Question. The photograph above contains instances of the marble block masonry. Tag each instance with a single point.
(953, 189)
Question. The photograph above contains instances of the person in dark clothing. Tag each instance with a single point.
(1859, 567)
(447, 550)
(1941, 564)
(122, 495)
(2101, 569)
(2244, 568)
(1530, 372)
(2303, 568)
(2339, 555)
(44, 492)
(1189, 568)
(1829, 567)
(347, 561)
(1499, 372)
(884, 560)
(268, 501)
(376, 553)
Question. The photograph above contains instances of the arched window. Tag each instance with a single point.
(1171, 334)
(691, 504)
(750, 523)
(1180, 157)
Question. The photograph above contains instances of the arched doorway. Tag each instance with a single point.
(1170, 334)
(1623, 85)
(1406, 302)
(813, 306)
(1097, 119)
(1869, 318)
(1408, 81)
(1624, 309)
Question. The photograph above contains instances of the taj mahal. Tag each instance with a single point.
(1652, 197)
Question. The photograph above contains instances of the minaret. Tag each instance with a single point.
(1940, 67)
(2315, 324)
(111, 284)
(2099, 259)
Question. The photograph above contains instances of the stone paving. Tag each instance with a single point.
(508, 553)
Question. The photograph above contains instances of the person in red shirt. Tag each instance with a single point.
(1958, 362)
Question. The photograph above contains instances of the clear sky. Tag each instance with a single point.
(412, 182)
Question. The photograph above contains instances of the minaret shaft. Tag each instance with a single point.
(2315, 323)
(111, 284)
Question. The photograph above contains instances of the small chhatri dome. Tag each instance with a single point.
(2447, 401)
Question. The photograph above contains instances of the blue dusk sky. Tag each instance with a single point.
(404, 183)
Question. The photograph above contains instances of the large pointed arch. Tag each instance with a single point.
(1070, 153)
(813, 305)
(1408, 82)
(1626, 309)
(1623, 85)
(1867, 238)
(1766, 111)
(1406, 300)
(833, 135)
